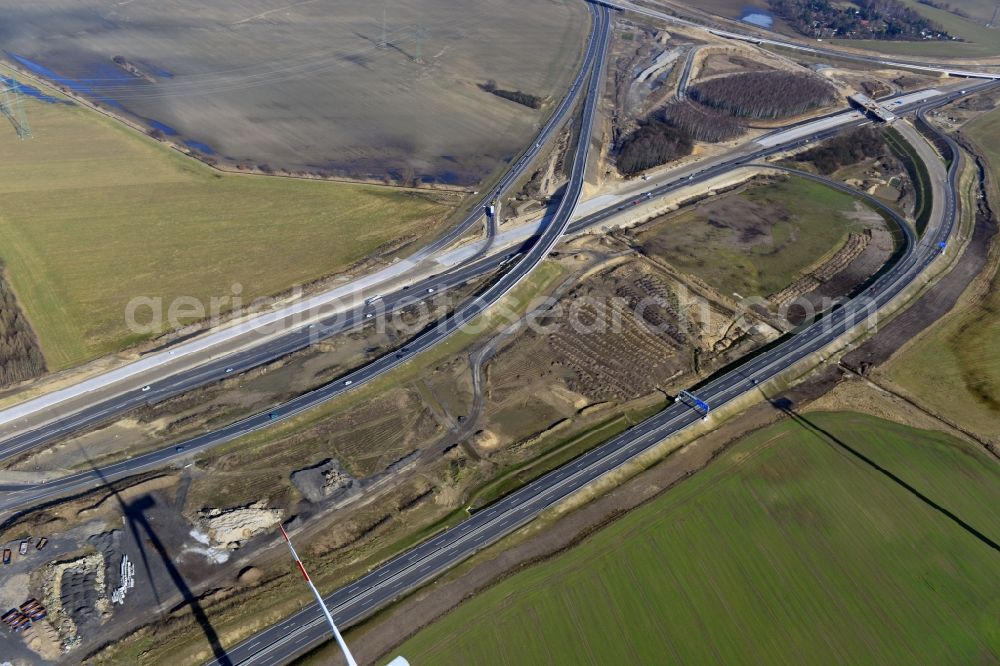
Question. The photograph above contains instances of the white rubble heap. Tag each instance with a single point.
(231, 528)
(127, 581)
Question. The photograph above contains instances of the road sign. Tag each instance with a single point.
(695, 402)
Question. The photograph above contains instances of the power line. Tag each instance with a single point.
(12, 107)
(384, 40)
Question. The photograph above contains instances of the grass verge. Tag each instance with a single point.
(557, 454)
(917, 171)
(954, 368)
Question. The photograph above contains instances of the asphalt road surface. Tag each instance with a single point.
(17, 496)
(100, 408)
(282, 642)
(36, 408)
(520, 266)
(104, 410)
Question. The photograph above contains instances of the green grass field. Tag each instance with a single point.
(759, 241)
(92, 214)
(979, 10)
(955, 368)
(976, 40)
(985, 130)
(785, 550)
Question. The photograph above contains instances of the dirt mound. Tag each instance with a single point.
(330, 482)
(231, 528)
(249, 576)
(42, 639)
(485, 440)
(327, 480)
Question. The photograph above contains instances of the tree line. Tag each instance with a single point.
(764, 95)
(845, 149)
(526, 99)
(862, 19)
(652, 144)
(20, 357)
(701, 123)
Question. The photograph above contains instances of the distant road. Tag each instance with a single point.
(624, 5)
(682, 82)
(215, 369)
(280, 643)
(520, 266)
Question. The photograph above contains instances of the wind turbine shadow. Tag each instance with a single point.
(785, 405)
(135, 516)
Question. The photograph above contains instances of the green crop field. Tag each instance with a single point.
(980, 10)
(985, 130)
(92, 215)
(759, 241)
(787, 549)
(974, 39)
(955, 367)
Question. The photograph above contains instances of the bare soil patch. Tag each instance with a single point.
(720, 61)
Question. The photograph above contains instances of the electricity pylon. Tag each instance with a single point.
(384, 41)
(12, 108)
(420, 36)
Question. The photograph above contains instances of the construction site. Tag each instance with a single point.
(701, 262)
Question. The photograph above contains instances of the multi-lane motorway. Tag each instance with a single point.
(18, 496)
(103, 396)
(281, 642)
(100, 407)
(521, 265)
(97, 399)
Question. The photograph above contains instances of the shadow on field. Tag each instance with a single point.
(785, 405)
(135, 516)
